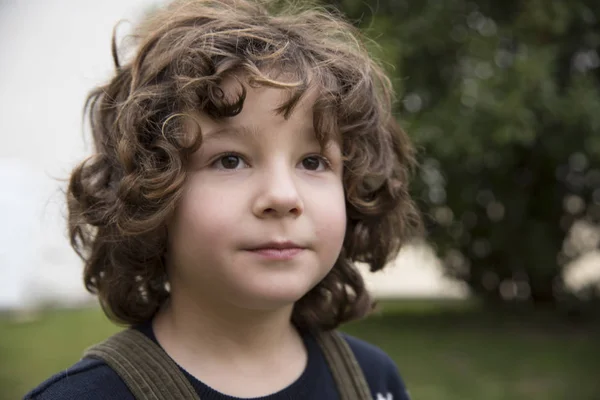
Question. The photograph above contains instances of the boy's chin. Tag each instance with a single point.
(274, 299)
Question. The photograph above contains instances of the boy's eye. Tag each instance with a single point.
(229, 161)
(314, 163)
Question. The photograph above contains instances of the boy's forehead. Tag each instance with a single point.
(263, 101)
(260, 101)
(232, 85)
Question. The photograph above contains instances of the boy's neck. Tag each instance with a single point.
(238, 352)
(228, 331)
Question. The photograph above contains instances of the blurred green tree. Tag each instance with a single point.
(502, 100)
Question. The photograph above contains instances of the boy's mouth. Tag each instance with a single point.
(284, 250)
(283, 245)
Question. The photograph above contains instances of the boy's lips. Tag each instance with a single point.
(279, 245)
(284, 250)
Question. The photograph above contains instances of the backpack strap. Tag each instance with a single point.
(348, 376)
(145, 368)
(150, 374)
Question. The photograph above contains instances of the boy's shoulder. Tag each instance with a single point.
(367, 352)
(379, 370)
(370, 357)
(88, 379)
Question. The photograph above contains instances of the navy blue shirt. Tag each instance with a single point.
(91, 379)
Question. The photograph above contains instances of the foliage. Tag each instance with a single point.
(502, 99)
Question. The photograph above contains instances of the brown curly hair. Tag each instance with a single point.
(120, 198)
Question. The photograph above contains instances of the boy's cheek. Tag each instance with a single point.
(201, 221)
(331, 225)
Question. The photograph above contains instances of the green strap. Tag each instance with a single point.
(348, 376)
(150, 374)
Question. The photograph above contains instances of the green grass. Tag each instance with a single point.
(32, 351)
(460, 353)
(444, 350)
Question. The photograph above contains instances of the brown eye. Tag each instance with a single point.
(229, 161)
(312, 163)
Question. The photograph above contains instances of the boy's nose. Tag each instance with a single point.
(278, 196)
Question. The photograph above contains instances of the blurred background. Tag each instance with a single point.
(502, 298)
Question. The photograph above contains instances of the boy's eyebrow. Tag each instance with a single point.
(239, 132)
(232, 131)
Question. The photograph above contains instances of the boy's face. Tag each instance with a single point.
(263, 217)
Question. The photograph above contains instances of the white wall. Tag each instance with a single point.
(51, 54)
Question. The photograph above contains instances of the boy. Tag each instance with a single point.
(244, 162)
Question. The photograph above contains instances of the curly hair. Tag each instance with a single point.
(121, 197)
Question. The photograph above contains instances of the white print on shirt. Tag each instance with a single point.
(388, 396)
